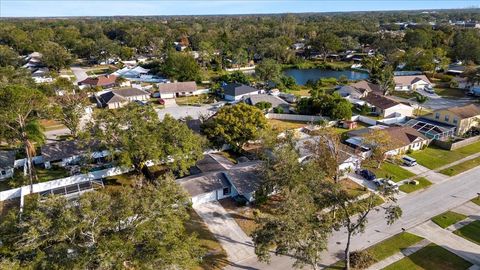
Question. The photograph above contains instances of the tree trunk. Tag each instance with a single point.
(347, 250)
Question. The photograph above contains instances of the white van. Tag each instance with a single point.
(408, 161)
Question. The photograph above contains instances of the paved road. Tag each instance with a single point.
(80, 74)
(417, 208)
(436, 102)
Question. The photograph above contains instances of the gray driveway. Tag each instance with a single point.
(232, 238)
(80, 74)
(431, 175)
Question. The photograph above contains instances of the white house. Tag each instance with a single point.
(7, 162)
(236, 91)
(117, 98)
(358, 90)
(178, 89)
(387, 107)
(69, 152)
(411, 83)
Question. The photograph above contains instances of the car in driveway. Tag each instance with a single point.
(382, 182)
(409, 161)
(369, 175)
(429, 90)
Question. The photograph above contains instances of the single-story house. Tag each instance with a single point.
(404, 138)
(463, 118)
(69, 152)
(358, 90)
(213, 162)
(209, 186)
(7, 162)
(118, 98)
(178, 89)
(42, 75)
(244, 179)
(105, 81)
(206, 187)
(411, 83)
(275, 101)
(347, 160)
(387, 107)
(455, 69)
(236, 91)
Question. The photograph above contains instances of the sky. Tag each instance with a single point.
(61, 8)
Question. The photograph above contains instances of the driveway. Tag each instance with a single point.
(236, 243)
(80, 74)
(431, 175)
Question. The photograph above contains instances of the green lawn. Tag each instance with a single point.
(431, 257)
(353, 189)
(476, 200)
(390, 170)
(422, 183)
(470, 232)
(462, 167)
(434, 157)
(216, 257)
(199, 99)
(450, 92)
(386, 248)
(448, 218)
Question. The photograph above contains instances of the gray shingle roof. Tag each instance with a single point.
(65, 149)
(245, 177)
(7, 159)
(178, 87)
(203, 183)
(237, 89)
(275, 101)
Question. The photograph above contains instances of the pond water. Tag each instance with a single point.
(301, 76)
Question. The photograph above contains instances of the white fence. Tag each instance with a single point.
(40, 187)
(364, 119)
(252, 68)
(296, 117)
(393, 120)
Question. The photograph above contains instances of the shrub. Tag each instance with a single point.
(361, 259)
(278, 110)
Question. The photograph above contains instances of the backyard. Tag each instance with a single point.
(43, 175)
(434, 157)
(283, 125)
(430, 257)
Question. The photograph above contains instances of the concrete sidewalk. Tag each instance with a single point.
(400, 255)
(452, 242)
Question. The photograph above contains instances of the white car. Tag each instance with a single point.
(429, 90)
(385, 182)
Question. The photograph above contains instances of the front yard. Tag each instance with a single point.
(199, 99)
(430, 257)
(470, 232)
(448, 218)
(393, 171)
(450, 92)
(434, 157)
(422, 183)
(462, 167)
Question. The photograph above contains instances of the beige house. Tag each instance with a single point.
(411, 83)
(463, 118)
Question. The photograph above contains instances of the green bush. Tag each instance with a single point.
(361, 259)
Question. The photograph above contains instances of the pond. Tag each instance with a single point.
(301, 76)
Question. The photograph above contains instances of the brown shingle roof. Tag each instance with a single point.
(100, 80)
(178, 87)
(404, 135)
(380, 101)
(408, 80)
(466, 111)
(365, 86)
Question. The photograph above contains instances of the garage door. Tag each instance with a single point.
(203, 198)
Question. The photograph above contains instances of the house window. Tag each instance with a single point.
(3, 172)
(226, 191)
(437, 115)
(447, 118)
(455, 120)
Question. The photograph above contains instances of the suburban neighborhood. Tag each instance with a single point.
(303, 139)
